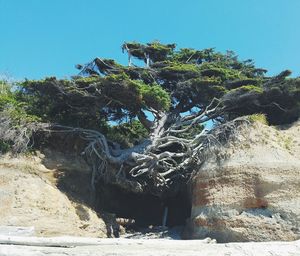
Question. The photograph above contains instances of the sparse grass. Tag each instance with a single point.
(287, 142)
(258, 118)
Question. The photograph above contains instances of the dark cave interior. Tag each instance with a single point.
(145, 209)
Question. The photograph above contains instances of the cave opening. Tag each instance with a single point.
(146, 209)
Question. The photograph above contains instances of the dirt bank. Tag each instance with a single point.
(248, 188)
(29, 197)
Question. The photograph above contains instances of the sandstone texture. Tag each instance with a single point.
(29, 197)
(249, 188)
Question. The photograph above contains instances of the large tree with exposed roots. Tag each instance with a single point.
(144, 126)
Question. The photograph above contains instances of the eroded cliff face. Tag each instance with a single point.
(249, 189)
(29, 197)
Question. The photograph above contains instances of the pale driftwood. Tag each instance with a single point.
(64, 241)
(16, 231)
(164, 220)
(158, 247)
(72, 241)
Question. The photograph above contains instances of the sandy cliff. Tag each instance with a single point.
(249, 188)
(29, 197)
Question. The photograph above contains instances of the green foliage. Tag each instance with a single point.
(16, 108)
(48, 100)
(181, 68)
(5, 87)
(188, 55)
(201, 90)
(19, 115)
(242, 82)
(4, 147)
(6, 95)
(13, 112)
(288, 142)
(224, 74)
(127, 134)
(158, 51)
(284, 95)
(111, 98)
(135, 94)
(136, 49)
(155, 50)
(176, 80)
(248, 88)
(86, 81)
(261, 118)
(6, 99)
(152, 95)
(176, 71)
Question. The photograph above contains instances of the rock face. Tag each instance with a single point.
(29, 198)
(249, 190)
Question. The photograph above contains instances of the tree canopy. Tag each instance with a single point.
(144, 125)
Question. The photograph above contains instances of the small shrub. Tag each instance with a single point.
(258, 118)
(4, 147)
(288, 142)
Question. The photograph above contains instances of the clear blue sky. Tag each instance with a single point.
(41, 38)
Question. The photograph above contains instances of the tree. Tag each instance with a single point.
(160, 109)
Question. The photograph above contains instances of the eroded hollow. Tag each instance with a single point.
(145, 209)
(73, 178)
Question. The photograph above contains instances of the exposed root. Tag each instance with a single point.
(18, 134)
(157, 165)
(223, 136)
